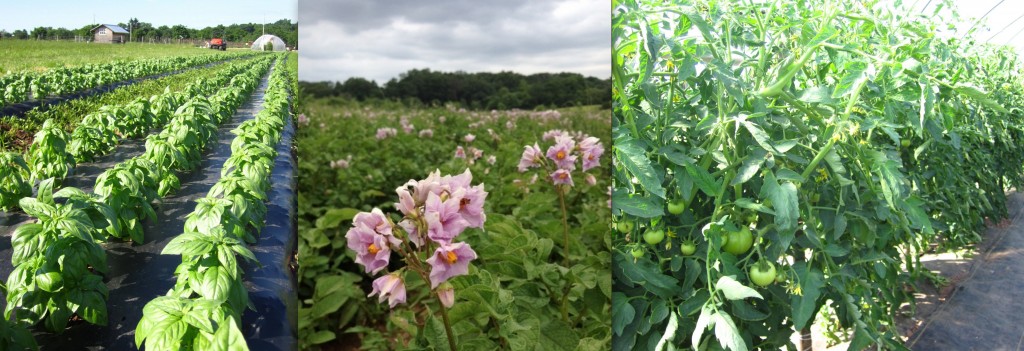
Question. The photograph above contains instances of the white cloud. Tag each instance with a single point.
(380, 40)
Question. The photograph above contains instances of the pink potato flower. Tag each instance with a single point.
(470, 198)
(592, 150)
(531, 157)
(469, 138)
(444, 222)
(460, 152)
(371, 238)
(562, 176)
(561, 152)
(448, 261)
(391, 287)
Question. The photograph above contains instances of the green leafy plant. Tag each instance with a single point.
(802, 147)
(127, 194)
(56, 264)
(14, 180)
(171, 323)
(48, 156)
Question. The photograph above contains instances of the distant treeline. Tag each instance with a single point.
(234, 33)
(503, 90)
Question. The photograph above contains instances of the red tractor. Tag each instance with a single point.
(218, 44)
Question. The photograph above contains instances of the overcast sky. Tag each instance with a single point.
(378, 40)
(73, 14)
(999, 27)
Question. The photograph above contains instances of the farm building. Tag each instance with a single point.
(109, 33)
(272, 40)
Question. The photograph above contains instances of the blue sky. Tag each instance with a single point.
(74, 14)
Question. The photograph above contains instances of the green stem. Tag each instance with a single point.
(817, 158)
(447, 324)
(565, 226)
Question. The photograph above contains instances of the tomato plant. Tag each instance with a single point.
(799, 114)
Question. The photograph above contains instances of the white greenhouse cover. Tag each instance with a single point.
(269, 38)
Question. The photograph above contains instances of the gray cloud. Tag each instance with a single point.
(380, 39)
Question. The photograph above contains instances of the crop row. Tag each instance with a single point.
(54, 153)
(17, 131)
(18, 87)
(58, 261)
(204, 307)
(805, 166)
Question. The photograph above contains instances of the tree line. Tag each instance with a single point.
(246, 32)
(483, 90)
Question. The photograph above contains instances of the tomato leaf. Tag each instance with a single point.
(734, 290)
(805, 305)
(727, 333)
(670, 332)
(637, 205)
(784, 201)
(633, 156)
(705, 319)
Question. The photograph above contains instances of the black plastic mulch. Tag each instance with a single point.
(139, 273)
(984, 312)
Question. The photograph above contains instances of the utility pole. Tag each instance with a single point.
(264, 24)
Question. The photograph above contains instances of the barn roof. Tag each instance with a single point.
(113, 28)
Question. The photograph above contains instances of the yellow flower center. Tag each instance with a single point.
(560, 155)
(373, 249)
(452, 258)
(563, 175)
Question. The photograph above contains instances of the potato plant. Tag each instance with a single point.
(798, 157)
(537, 281)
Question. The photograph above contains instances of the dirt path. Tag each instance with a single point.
(983, 311)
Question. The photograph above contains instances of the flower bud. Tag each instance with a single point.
(446, 293)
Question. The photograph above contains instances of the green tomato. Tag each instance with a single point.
(653, 237)
(687, 248)
(676, 207)
(781, 278)
(905, 142)
(637, 252)
(624, 227)
(739, 242)
(762, 273)
(751, 217)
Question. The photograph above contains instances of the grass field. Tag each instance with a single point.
(19, 55)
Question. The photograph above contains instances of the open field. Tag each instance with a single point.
(133, 168)
(41, 55)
